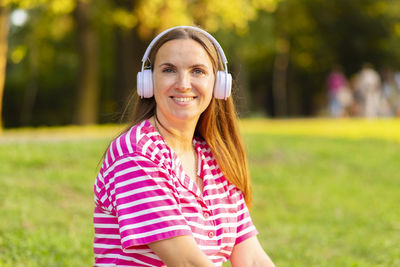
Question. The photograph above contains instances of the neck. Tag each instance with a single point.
(177, 134)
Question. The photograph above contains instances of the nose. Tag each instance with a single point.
(183, 81)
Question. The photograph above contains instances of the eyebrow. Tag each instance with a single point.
(192, 66)
(199, 65)
(166, 64)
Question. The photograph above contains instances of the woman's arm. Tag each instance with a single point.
(180, 251)
(249, 253)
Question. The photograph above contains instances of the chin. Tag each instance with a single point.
(185, 116)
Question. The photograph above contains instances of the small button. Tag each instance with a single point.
(206, 215)
(210, 234)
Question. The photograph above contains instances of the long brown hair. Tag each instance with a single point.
(217, 125)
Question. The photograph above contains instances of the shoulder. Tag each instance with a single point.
(140, 140)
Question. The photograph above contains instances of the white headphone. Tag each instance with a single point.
(223, 79)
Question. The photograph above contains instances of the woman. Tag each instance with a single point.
(173, 188)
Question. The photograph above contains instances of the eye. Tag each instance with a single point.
(199, 71)
(168, 70)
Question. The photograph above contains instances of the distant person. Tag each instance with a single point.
(340, 96)
(369, 83)
(397, 80)
(389, 94)
(173, 188)
(357, 109)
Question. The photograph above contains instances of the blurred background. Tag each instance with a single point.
(326, 190)
(75, 61)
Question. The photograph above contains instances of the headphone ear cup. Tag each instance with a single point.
(139, 84)
(228, 83)
(144, 82)
(223, 85)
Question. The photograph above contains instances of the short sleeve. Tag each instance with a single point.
(145, 205)
(245, 226)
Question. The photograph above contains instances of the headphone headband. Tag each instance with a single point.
(213, 40)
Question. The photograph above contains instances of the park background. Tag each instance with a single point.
(326, 191)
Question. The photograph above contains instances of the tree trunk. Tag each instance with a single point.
(31, 90)
(281, 62)
(4, 27)
(279, 87)
(86, 111)
(129, 50)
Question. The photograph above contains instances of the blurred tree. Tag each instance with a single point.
(250, 55)
(4, 27)
(47, 23)
(313, 35)
(75, 60)
(132, 23)
(129, 47)
(281, 61)
(87, 102)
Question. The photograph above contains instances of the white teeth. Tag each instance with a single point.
(183, 99)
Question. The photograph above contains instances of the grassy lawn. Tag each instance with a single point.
(326, 192)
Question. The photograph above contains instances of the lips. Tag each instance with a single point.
(183, 99)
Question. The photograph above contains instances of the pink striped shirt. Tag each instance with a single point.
(142, 195)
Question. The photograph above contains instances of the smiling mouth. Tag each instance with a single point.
(183, 99)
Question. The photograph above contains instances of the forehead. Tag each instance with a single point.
(182, 51)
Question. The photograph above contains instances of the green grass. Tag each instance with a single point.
(327, 202)
(318, 201)
(46, 202)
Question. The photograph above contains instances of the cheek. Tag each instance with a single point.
(209, 88)
(160, 84)
(211, 91)
(156, 80)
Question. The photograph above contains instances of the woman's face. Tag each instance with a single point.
(183, 79)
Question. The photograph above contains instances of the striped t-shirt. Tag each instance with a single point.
(142, 195)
